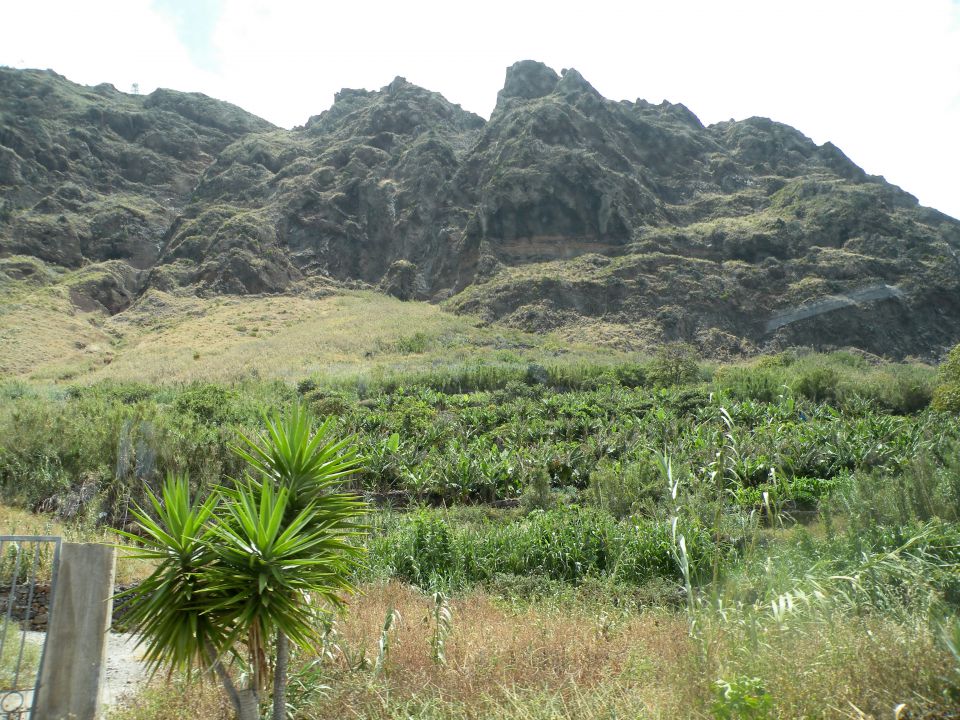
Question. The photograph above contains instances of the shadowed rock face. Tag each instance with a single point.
(564, 210)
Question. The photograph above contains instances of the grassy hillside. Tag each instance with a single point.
(167, 338)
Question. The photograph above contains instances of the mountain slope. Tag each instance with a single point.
(622, 223)
(89, 175)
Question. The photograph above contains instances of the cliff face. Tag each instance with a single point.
(624, 222)
(89, 175)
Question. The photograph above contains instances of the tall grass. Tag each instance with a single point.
(580, 660)
(842, 379)
(567, 544)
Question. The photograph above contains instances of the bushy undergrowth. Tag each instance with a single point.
(844, 380)
(946, 396)
(788, 529)
(801, 426)
(94, 449)
(568, 544)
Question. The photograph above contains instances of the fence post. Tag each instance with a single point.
(74, 663)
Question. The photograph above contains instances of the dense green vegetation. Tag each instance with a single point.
(802, 506)
(947, 395)
(791, 425)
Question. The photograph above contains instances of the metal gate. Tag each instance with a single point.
(28, 577)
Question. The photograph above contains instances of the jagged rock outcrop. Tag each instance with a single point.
(93, 174)
(565, 210)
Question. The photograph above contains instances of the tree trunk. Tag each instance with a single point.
(280, 677)
(249, 704)
(245, 702)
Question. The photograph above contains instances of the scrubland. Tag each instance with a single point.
(639, 537)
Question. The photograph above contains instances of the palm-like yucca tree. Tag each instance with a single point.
(165, 606)
(309, 466)
(250, 563)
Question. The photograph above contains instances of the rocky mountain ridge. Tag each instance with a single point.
(626, 223)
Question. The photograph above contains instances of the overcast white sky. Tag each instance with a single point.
(881, 79)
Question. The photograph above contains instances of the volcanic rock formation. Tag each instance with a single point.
(565, 210)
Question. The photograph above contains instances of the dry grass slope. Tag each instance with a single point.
(563, 661)
(168, 338)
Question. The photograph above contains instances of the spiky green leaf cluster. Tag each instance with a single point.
(263, 557)
(169, 607)
(271, 574)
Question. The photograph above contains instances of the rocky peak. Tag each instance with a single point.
(347, 94)
(528, 79)
(397, 84)
(565, 209)
(573, 83)
(679, 111)
(204, 110)
(763, 144)
(400, 108)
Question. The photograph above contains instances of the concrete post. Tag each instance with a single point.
(74, 663)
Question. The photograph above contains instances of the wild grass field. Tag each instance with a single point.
(565, 539)
(172, 338)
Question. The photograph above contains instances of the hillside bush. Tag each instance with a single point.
(946, 397)
(626, 488)
(674, 364)
(819, 384)
(751, 383)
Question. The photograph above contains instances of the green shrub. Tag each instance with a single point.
(750, 383)
(539, 495)
(210, 404)
(327, 402)
(674, 364)
(946, 398)
(950, 368)
(623, 489)
(419, 342)
(779, 360)
(910, 389)
(632, 375)
(819, 383)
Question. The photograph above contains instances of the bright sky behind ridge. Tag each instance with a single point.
(878, 78)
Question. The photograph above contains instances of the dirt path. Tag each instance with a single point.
(126, 672)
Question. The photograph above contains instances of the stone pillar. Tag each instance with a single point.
(75, 659)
